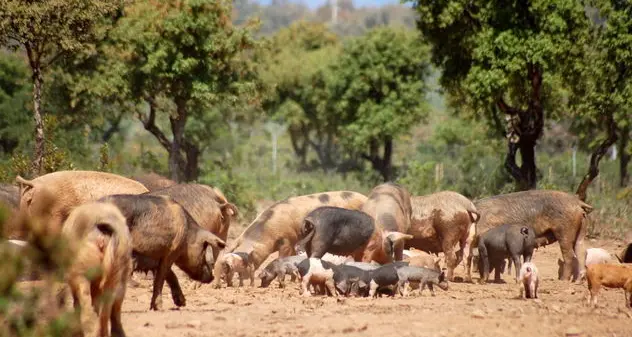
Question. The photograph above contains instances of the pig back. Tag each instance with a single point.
(540, 209)
(202, 203)
(153, 182)
(389, 204)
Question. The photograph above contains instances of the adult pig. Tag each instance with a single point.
(505, 241)
(440, 222)
(207, 205)
(71, 188)
(554, 216)
(153, 181)
(163, 233)
(345, 232)
(389, 205)
(279, 227)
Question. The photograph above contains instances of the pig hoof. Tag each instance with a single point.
(306, 294)
(179, 300)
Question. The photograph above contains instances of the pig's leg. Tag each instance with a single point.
(517, 264)
(594, 291)
(627, 287)
(88, 318)
(483, 262)
(159, 281)
(431, 287)
(373, 289)
(497, 269)
(104, 317)
(580, 252)
(241, 278)
(331, 287)
(567, 255)
(251, 270)
(450, 258)
(509, 267)
(281, 279)
(115, 320)
(305, 284)
(176, 291)
(401, 288)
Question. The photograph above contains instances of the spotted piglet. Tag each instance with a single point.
(237, 263)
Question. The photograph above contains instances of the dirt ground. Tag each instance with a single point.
(464, 310)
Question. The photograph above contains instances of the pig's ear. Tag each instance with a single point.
(229, 209)
(396, 237)
(214, 241)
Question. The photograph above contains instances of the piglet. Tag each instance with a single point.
(529, 279)
(239, 263)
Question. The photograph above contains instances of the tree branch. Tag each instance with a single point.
(595, 158)
(150, 125)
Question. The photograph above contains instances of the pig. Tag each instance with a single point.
(611, 276)
(153, 182)
(439, 223)
(554, 215)
(345, 232)
(502, 242)
(423, 276)
(207, 205)
(316, 272)
(164, 233)
(279, 227)
(363, 265)
(389, 205)
(71, 188)
(529, 279)
(425, 260)
(237, 263)
(278, 268)
(413, 252)
(593, 256)
(385, 277)
(100, 240)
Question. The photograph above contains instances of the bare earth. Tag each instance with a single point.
(463, 310)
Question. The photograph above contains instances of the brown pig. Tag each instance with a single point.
(72, 188)
(164, 233)
(207, 205)
(389, 205)
(424, 260)
(611, 276)
(99, 240)
(153, 181)
(554, 215)
(440, 222)
(278, 228)
(237, 263)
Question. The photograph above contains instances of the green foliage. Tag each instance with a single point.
(35, 310)
(602, 84)
(14, 97)
(378, 85)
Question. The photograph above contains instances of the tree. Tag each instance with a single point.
(48, 30)
(501, 58)
(602, 88)
(377, 89)
(183, 59)
(297, 63)
(14, 95)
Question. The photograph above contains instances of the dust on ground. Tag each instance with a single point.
(464, 310)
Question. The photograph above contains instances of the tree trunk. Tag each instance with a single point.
(624, 158)
(38, 157)
(383, 165)
(595, 158)
(523, 131)
(192, 169)
(177, 163)
(300, 148)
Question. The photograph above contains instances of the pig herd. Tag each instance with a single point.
(340, 243)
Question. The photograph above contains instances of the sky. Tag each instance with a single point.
(358, 3)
